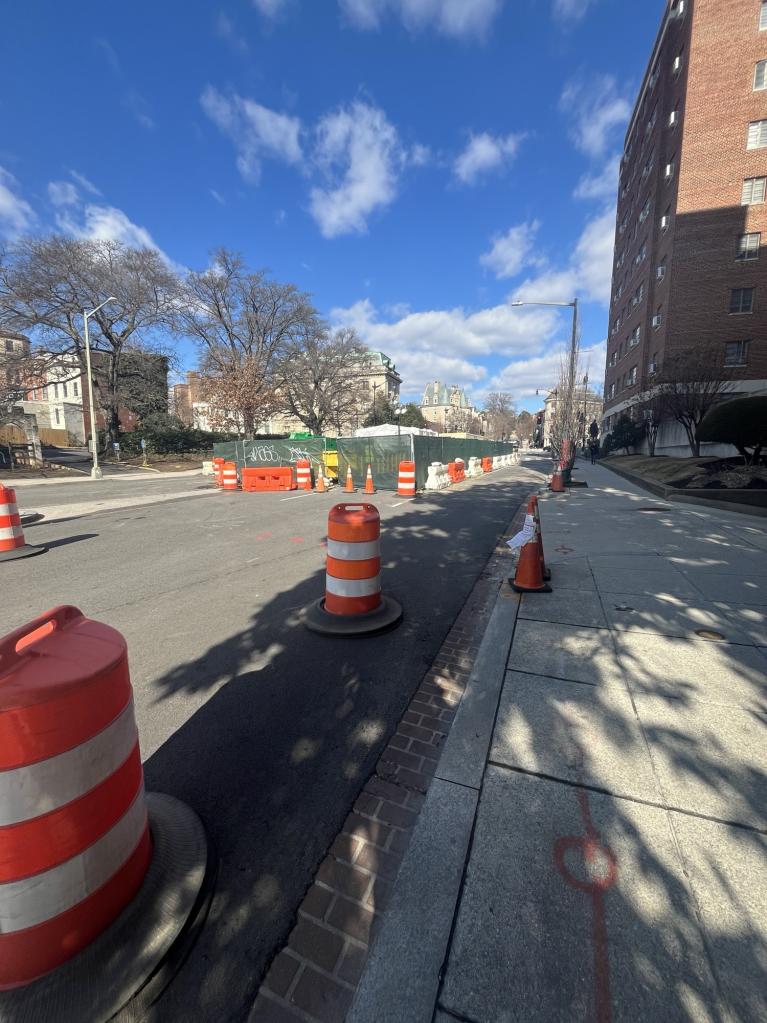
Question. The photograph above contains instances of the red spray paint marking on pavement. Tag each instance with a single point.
(602, 873)
(296, 539)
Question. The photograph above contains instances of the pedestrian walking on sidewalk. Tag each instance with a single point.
(594, 449)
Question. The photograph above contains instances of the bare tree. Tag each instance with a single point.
(566, 426)
(501, 417)
(320, 378)
(525, 426)
(691, 382)
(46, 283)
(243, 324)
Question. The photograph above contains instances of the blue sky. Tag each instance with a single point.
(415, 164)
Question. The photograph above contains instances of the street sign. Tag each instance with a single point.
(116, 446)
(143, 444)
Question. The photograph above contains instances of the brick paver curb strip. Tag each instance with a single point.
(314, 978)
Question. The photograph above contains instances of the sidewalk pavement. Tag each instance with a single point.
(593, 844)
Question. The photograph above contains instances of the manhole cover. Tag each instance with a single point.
(708, 634)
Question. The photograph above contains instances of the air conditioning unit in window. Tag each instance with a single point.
(664, 222)
(656, 321)
(673, 118)
(660, 273)
(668, 172)
(652, 369)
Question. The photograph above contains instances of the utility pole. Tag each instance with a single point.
(375, 413)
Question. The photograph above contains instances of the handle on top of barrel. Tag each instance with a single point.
(17, 642)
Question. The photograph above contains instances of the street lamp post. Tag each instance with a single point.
(585, 395)
(96, 473)
(573, 343)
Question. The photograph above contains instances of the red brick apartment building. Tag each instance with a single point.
(690, 263)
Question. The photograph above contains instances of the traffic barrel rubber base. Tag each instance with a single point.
(27, 551)
(387, 616)
(126, 969)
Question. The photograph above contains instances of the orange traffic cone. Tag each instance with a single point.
(557, 485)
(369, 488)
(537, 516)
(320, 488)
(529, 575)
(349, 485)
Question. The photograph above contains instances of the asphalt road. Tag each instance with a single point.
(266, 729)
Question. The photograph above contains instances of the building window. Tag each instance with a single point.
(763, 17)
(645, 212)
(673, 119)
(658, 318)
(632, 376)
(58, 417)
(757, 135)
(64, 389)
(611, 392)
(636, 335)
(760, 76)
(742, 300)
(55, 390)
(665, 220)
(660, 271)
(653, 367)
(668, 172)
(75, 389)
(736, 353)
(748, 245)
(753, 191)
(676, 67)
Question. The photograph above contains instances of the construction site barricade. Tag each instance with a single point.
(218, 471)
(353, 601)
(12, 543)
(437, 478)
(406, 479)
(75, 839)
(487, 465)
(497, 462)
(229, 476)
(456, 471)
(475, 468)
(207, 467)
(304, 474)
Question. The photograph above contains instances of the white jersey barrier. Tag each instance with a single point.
(437, 478)
(475, 467)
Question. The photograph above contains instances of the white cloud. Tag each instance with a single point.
(419, 155)
(602, 185)
(541, 372)
(16, 215)
(255, 131)
(571, 10)
(510, 252)
(457, 18)
(588, 272)
(84, 183)
(227, 30)
(596, 111)
(359, 153)
(218, 197)
(62, 193)
(106, 223)
(484, 153)
(447, 343)
(270, 8)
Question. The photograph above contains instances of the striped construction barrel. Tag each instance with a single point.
(218, 471)
(74, 835)
(353, 574)
(304, 474)
(229, 476)
(11, 533)
(406, 479)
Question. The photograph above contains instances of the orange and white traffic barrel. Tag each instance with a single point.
(218, 471)
(304, 474)
(406, 479)
(353, 601)
(12, 542)
(229, 476)
(76, 849)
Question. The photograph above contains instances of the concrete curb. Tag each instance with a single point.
(401, 980)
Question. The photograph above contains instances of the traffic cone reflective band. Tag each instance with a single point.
(349, 485)
(529, 575)
(406, 479)
(353, 603)
(537, 516)
(229, 476)
(369, 487)
(12, 542)
(557, 485)
(81, 874)
(304, 474)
